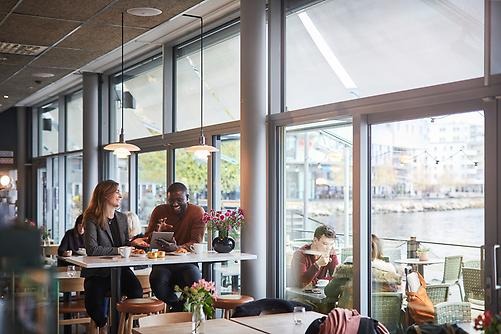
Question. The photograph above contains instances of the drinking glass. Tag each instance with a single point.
(71, 271)
(299, 315)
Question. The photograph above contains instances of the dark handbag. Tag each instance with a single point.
(435, 329)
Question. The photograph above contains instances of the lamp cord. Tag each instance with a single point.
(122, 77)
(201, 76)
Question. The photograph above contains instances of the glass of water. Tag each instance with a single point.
(71, 271)
(299, 315)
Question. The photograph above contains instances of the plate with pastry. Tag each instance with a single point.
(179, 252)
(136, 252)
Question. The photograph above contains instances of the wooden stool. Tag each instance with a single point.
(135, 306)
(229, 302)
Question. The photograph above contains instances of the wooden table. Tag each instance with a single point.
(420, 264)
(219, 326)
(115, 262)
(282, 323)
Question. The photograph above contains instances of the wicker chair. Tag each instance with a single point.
(473, 279)
(387, 309)
(452, 273)
(452, 312)
(438, 293)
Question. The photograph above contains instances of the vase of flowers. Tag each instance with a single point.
(199, 300)
(45, 235)
(224, 222)
(489, 323)
(422, 253)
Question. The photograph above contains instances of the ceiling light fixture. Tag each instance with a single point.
(122, 149)
(144, 11)
(43, 75)
(201, 149)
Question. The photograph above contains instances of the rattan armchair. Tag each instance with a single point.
(452, 273)
(452, 312)
(438, 293)
(473, 280)
(387, 309)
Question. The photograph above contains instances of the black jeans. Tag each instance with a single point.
(163, 278)
(97, 288)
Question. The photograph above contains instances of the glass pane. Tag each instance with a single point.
(143, 91)
(152, 173)
(342, 50)
(73, 189)
(192, 172)
(48, 127)
(318, 180)
(74, 122)
(228, 274)
(121, 175)
(427, 175)
(221, 80)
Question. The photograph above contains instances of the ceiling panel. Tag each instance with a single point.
(104, 37)
(6, 5)
(63, 9)
(33, 30)
(65, 58)
(11, 59)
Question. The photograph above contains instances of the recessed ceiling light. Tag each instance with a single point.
(43, 75)
(144, 11)
(6, 96)
(3, 58)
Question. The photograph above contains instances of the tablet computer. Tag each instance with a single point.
(167, 236)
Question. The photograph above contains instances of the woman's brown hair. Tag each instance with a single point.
(377, 248)
(95, 210)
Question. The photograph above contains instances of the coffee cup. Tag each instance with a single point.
(198, 248)
(322, 282)
(125, 251)
(69, 252)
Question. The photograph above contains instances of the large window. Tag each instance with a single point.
(318, 178)
(151, 183)
(342, 50)
(191, 170)
(427, 202)
(48, 124)
(143, 91)
(221, 79)
(73, 189)
(74, 121)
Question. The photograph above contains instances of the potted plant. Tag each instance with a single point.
(422, 253)
(224, 222)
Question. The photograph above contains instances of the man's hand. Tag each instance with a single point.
(167, 246)
(140, 242)
(163, 226)
(323, 260)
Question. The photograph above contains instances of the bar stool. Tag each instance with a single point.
(134, 306)
(229, 302)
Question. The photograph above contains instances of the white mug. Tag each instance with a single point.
(125, 251)
(199, 248)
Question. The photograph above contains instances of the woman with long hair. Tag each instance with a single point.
(105, 231)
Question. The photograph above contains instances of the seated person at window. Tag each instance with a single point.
(384, 278)
(185, 220)
(73, 239)
(133, 225)
(316, 260)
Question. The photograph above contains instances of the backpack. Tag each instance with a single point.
(420, 308)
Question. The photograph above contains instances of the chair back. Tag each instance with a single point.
(452, 312)
(387, 309)
(473, 279)
(452, 269)
(346, 252)
(73, 284)
(438, 293)
(164, 319)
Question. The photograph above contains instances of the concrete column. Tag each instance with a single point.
(20, 164)
(90, 135)
(253, 144)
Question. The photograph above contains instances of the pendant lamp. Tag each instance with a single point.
(122, 149)
(202, 149)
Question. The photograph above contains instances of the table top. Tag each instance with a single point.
(279, 323)
(418, 261)
(220, 326)
(307, 294)
(118, 261)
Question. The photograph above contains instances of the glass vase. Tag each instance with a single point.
(198, 320)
